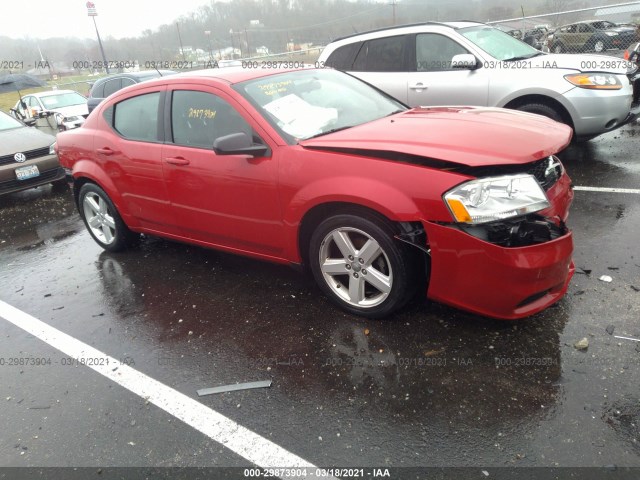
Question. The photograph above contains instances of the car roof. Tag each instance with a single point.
(588, 21)
(51, 92)
(413, 27)
(142, 75)
(229, 75)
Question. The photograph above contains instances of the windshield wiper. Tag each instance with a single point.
(333, 130)
(522, 57)
(395, 111)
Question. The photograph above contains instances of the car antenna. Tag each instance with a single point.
(156, 69)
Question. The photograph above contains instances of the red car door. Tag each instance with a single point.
(131, 154)
(224, 200)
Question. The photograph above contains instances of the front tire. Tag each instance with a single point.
(360, 267)
(541, 109)
(598, 46)
(103, 220)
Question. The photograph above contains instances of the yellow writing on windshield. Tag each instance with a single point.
(271, 89)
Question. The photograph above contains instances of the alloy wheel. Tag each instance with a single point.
(99, 218)
(355, 267)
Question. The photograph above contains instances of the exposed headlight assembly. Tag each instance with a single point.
(52, 148)
(495, 198)
(594, 81)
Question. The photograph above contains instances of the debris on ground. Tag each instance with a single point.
(628, 338)
(606, 278)
(582, 344)
(234, 387)
(633, 287)
(583, 271)
(610, 329)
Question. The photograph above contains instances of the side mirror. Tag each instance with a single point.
(464, 61)
(238, 144)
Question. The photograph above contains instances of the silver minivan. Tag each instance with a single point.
(468, 63)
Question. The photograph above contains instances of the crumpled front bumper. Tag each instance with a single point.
(495, 281)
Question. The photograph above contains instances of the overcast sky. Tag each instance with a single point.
(117, 18)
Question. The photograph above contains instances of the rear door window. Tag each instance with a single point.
(136, 118)
(381, 55)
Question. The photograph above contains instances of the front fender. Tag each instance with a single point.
(365, 192)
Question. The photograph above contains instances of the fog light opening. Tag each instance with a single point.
(610, 124)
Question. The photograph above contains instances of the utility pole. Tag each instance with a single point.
(93, 13)
(393, 6)
(208, 35)
(180, 40)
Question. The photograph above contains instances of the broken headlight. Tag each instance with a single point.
(495, 198)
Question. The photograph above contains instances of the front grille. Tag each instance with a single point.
(546, 177)
(44, 177)
(40, 152)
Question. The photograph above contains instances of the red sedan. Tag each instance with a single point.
(316, 168)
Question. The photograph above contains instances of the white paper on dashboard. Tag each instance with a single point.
(299, 118)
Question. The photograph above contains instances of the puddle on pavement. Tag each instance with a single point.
(269, 321)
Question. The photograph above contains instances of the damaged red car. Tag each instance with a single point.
(316, 168)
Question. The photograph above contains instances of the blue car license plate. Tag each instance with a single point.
(24, 173)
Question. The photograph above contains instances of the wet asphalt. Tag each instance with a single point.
(432, 386)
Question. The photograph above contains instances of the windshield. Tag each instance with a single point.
(60, 100)
(7, 122)
(498, 44)
(308, 103)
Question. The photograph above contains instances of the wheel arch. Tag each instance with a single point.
(317, 214)
(545, 100)
(85, 171)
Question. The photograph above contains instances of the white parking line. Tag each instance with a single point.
(240, 440)
(608, 190)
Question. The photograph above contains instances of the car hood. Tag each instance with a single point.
(468, 136)
(23, 139)
(571, 61)
(73, 110)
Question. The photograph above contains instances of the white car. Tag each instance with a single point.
(67, 107)
(469, 63)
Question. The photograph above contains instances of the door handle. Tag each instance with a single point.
(177, 161)
(418, 86)
(105, 151)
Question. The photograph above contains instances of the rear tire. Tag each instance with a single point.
(103, 220)
(598, 46)
(558, 48)
(360, 266)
